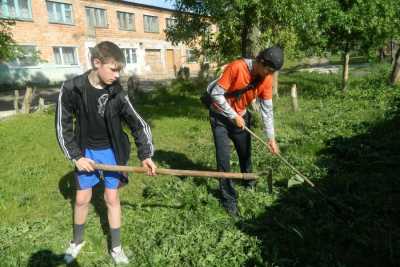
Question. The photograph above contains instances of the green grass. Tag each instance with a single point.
(349, 144)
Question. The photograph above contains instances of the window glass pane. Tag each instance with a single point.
(134, 59)
(27, 56)
(191, 57)
(24, 11)
(68, 13)
(59, 12)
(91, 16)
(69, 56)
(65, 56)
(150, 23)
(126, 54)
(130, 22)
(126, 21)
(103, 18)
(50, 12)
(170, 22)
(96, 17)
(130, 55)
(57, 55)
(59, 16)
(11, 9)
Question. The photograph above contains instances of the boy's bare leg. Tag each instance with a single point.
(80, 213)
(114, 215)
(82, 205)
(113, 207)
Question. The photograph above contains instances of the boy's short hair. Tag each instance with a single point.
(106, 51)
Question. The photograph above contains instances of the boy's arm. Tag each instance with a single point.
(64, 125)
(139, 128)
(267, 115)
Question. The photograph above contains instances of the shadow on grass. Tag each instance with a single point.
(300, 229)
(179, 100)
(154, 205)
(177, 160)
(67, 187)
(46, 258)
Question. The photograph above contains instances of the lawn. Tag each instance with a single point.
(348, 144)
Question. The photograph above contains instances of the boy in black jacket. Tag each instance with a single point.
(90, 111)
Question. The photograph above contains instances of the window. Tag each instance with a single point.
(150, 23)
(96, 17)
(27, 56)
(16, 9)
(170, 22)
(59, 12)
(130, 55)
(191, 57)
(65, 55)
(126, 21)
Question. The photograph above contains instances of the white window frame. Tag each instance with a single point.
(132, 53)
(96, 19)
(146, 29)
(18, 13)
(189, 54)
(168, 22)
(63, 11)
(60, 50)
(17, 61)
(125, 16)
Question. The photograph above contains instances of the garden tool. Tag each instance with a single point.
(175, 172)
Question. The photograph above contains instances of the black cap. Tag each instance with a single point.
(271, 57)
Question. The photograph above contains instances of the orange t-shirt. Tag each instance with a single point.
(236, 76)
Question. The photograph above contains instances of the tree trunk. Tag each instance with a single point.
(250, 35)
(382, 55)
(392, 55)
(275, 84)
(346, 60)
(395, 77)
(133, 85)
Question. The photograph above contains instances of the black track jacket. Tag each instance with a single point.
(71, 122)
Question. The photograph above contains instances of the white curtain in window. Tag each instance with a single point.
(69, 56)
(57, 55)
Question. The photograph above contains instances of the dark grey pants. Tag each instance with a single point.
(224, 130)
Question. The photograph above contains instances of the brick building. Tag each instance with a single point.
(64, 31)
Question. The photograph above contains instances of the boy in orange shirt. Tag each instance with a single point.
(228, 114)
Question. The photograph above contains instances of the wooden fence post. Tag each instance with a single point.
(16, 99)
(295, 103)
(41, 104)
(28, 99)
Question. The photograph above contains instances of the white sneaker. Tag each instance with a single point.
(119, 256)
(72, 252)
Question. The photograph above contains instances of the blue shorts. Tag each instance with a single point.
(112, 180)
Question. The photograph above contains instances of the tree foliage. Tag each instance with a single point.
(7, 44)
(236, 22)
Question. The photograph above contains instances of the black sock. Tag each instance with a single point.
(115, 237)
(78, 233)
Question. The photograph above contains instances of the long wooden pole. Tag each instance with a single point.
(228, 175)
(282, 158)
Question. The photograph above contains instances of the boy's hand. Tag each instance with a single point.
(273, 146)
(84, 164)
(150, 166)
(239, 121)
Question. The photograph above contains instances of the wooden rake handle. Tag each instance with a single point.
(282, 159)
(226, 175)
